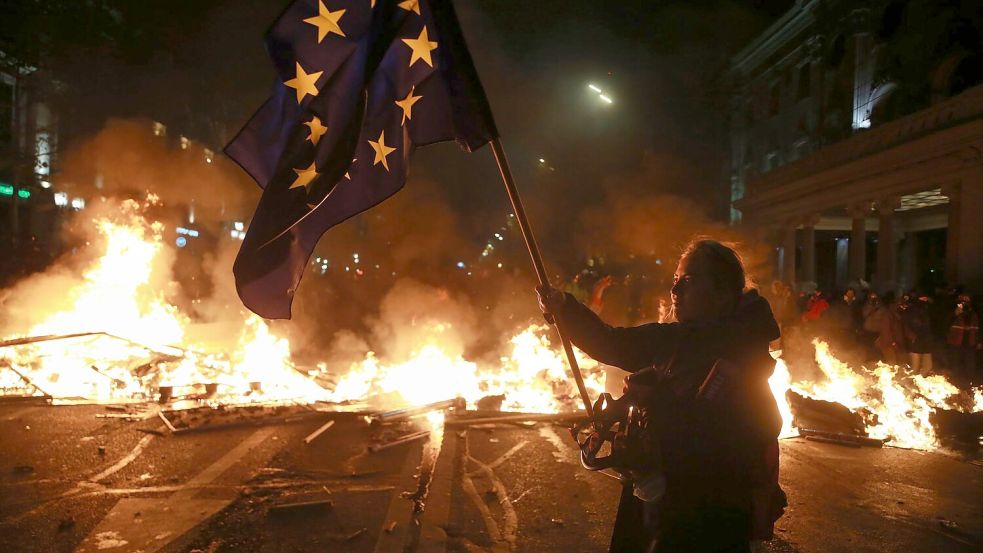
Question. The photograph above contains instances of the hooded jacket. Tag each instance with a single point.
(717, 419)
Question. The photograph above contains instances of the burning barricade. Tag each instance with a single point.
(108, 334)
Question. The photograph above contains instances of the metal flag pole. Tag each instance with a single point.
(537, 263)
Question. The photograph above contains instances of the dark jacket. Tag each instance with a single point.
(715, 451)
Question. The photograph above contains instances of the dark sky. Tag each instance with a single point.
(200, 65)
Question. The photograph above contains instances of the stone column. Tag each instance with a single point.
(952, 191)
(964, 239)
(788, 254)
(809, 247)
(887, 244)
(858, 240)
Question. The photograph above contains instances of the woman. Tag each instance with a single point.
(713, 415)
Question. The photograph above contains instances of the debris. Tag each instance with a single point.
(836, 437)
(355, 534)
(167, 422)
(826, 416)
(302, 505)
(65, 524)
(404, 440)
(313, 435)
(947, 524)
(391, 527)
(557, 521)
(407, 412)
(490, 403)
(102, 450)
(824, 440)
(518, 418)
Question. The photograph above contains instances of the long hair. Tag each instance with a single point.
(726, 269)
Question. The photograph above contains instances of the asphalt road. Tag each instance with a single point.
(72, 481)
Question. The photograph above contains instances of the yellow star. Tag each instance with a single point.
(407, 105)
(411, 6)
(326, 21)
(421, 47)
(381, 150)
(304, 83)
(317, 129)
(305, 177)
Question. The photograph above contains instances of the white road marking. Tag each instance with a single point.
(125, 460)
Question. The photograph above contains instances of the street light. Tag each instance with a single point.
(600, 93)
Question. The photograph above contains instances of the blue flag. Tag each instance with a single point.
(361, 84)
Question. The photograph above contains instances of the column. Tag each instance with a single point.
(809, 247)
(887, 244)
(858, 240)
(952, 191)
(965, 234)
(788, 254)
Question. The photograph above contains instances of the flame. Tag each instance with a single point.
(779, 383)
(897, 404)
(138, 343)
(133, 340)
(533, 377)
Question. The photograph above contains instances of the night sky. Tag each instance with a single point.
(200, 66)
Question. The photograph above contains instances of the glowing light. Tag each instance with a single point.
(61, 199)
(594, 88)
(605, 98)
(460, 265)
(78, 203)
(181, 242)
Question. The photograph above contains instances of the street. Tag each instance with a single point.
(75, 481)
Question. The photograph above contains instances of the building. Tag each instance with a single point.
(28, 145)
(856, 137)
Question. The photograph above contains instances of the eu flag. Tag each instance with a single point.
(361, 84)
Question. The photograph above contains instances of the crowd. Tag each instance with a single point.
(931, 332)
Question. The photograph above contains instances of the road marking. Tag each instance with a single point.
(400, 510)
(505, 456)
(434, 521)
(163, 520)
(125, 460)
(218, 467)
(510, 522)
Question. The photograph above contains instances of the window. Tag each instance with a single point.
(805, 81)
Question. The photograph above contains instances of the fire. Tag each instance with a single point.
(779, 383)
(130, 340)
(131, 344)
(897, 404)
(531, 377)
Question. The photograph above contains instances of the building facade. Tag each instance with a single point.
(856, 137)
(28, 146)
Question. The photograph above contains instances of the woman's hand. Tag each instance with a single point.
(551, 301)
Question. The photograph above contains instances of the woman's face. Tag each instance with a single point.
(695, 298)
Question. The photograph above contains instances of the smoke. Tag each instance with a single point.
(125, 159)
(85, 274)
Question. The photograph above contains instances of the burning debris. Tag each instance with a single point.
(113, 336)
(886, 404)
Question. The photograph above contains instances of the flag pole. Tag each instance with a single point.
(537, 263)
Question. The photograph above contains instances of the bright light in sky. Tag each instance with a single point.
(594, 88)
(606, 99)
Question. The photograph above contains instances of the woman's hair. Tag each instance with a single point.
(726, 265)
